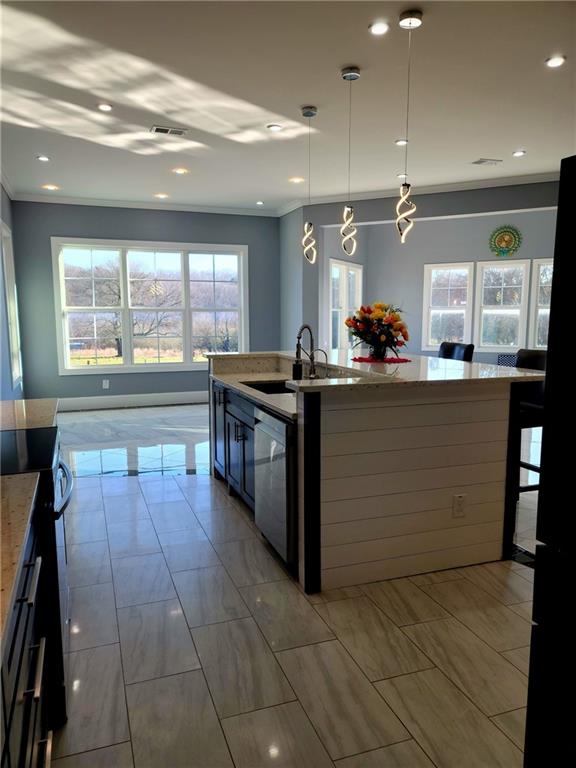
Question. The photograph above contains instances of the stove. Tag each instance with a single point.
(29, 450)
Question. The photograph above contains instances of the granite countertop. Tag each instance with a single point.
(283, 404)
(421, 371)
(17, 498)
(28, 414)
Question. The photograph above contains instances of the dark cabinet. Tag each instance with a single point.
(248, 480)
(219, 429)
(32, 663)
(234, 453)
(240, 458)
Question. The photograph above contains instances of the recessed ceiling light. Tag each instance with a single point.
(401, 142)
(297, 179)
(260, 202)
(411, 19)
(43, 158)
(180, 171)
(378, 28)
(50, 187)
(402, 175)
(519, 153)
(161, 195)
(275, 127)
(103, 107)
(555, 61)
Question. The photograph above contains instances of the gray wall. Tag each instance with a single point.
(395, 272)
(291, 273)
(7, 391)
(35, 223)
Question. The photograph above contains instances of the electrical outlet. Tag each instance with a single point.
(105, 383)
(459, 505)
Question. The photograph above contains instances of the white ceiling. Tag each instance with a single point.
(225, 70)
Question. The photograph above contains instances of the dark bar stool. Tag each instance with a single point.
(531, 407)
(451, 350)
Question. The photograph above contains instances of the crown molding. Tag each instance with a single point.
(462, 186)
(6, 184)
(61, 200)
(283, 210)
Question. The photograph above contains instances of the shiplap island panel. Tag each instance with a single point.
(383, 450)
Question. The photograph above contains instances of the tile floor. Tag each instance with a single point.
(157, 441)
(191, 647)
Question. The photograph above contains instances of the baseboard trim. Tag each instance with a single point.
(131, 401)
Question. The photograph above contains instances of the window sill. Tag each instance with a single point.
(111, 370)
(498, 350)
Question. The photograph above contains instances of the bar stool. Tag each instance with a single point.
(531, 407)
(451, 350)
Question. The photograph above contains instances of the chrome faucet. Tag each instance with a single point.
(306, 327)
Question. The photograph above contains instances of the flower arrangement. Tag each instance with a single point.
(381, 327)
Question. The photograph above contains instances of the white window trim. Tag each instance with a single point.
(346, 265)
(532, 331)
(11, 297)
(480, 265)
(57, 243)
(468, 312)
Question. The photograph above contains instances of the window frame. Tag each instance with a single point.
(11, 298)
(426, 307)
(347, 265)
(523, 319)
(533, 326)
(58, 243)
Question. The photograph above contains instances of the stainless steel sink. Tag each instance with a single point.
(269, 387)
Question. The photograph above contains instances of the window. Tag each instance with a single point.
(11, 306)
(345, 299)
(501, 305)
(447, 311)
(133, 305)
(541, 291)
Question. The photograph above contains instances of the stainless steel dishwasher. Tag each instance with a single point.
(275, 484)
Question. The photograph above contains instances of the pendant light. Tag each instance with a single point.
(405, 208)
(348, 230)
(308, 240)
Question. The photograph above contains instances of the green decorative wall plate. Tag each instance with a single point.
(505, 241)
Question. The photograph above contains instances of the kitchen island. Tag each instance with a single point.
(401, 468)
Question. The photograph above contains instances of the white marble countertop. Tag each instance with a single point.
(421, 371)
(17, 498)
(28, 414)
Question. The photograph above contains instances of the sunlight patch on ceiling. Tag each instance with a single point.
(52, 57)
(33, 110)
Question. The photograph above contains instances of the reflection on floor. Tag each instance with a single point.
(525, 534)
(191, 648)
(129, 441)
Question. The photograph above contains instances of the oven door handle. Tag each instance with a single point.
(59, 509)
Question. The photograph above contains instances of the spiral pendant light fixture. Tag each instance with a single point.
(348, 229)
(405, 207)
(308, 239)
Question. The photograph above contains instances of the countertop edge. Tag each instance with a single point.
(16, 567)
(257, 397)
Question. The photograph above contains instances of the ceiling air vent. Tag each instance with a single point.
(168, 130)
(486, 161)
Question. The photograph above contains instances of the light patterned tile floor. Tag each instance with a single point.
(192, 650)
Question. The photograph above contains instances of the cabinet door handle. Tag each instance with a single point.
(31, 598)
(47, 749)
(236, 432)
(37, 690)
